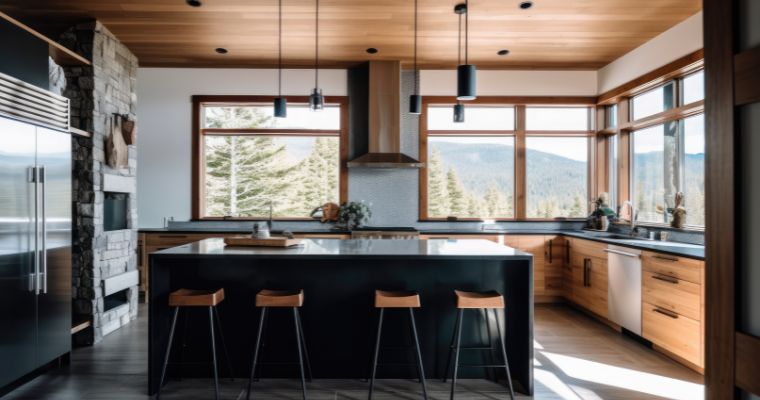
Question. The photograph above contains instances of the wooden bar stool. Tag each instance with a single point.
(183, 298)
(266, 299)
(485, 301)
(397, 299)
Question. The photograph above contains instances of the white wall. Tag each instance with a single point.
(513, 83)
(164, 117)
(669, 46)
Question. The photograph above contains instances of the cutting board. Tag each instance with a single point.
(274, 241)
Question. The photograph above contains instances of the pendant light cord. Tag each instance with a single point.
(459, 41)
(279, 50)
(316, 48)
(466, 30)
(416, 72)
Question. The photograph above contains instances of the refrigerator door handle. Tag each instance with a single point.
(36, 259)
(44, 232)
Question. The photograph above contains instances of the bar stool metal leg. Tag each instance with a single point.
(168, 351)
(504, 354)
(300, 351)
(213, 351)
(224, 344)
(451, 347)
(256, 350)
(377, 352)
(305, 349)
(456, 353)
(491, 359)
(420, 369)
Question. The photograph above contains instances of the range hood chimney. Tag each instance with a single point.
(384, 122)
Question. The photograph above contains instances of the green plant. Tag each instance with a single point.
(353, 214)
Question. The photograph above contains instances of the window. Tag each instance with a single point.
(470, 165)
(670, 157)
(694, 169)
(612, 173)
(557, 177)
(653, 101)
(610, 116)
(693, 88)
(248, 159)
(558, 118)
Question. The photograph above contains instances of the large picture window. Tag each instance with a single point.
(470, 166)
(669, 157)
(249, 161)
(505, 161)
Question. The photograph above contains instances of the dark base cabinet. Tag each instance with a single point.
(339, 319)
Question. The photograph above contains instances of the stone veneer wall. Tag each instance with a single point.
(96, 92)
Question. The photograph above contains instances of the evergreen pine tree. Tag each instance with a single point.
(458, 202)
(438, 195)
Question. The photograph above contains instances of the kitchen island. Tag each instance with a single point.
(339, 278)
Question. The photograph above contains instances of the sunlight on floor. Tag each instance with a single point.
(611, 375)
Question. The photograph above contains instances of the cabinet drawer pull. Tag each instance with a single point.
(666, 313)
(671, 259)
(173, 236)
(550, 251)
(666, 279)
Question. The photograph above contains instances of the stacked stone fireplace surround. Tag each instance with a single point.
(104, 261)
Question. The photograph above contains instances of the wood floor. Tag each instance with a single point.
(576, 358)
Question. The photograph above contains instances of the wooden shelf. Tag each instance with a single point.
(60, 54)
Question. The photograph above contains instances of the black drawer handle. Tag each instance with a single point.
(666, 313)
(666, 279)
(666, 258)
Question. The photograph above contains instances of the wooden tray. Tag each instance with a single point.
(274, 241)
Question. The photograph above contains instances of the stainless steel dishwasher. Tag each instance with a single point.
(624, 288)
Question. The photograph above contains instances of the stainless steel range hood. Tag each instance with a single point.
(384, 122)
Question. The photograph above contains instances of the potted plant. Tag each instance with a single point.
(353, 214)
(677, 213)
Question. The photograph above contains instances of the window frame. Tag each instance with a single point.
(520, 103)
(199, 132)
(622, 97)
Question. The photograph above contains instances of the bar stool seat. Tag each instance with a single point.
(195, 298)
(279, 298)
(489, 299)
(397, 299)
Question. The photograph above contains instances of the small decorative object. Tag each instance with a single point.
(260, 231)
(602, 214)
(129, 131)
(353, 214)
(677, 213)
(117, 153)
(326, 212)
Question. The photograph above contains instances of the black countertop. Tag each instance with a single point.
(672, 248)
(353, 249)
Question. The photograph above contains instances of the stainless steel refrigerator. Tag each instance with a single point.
(35, 229)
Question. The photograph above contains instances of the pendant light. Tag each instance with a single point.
(280, 103)
(465, 72)
(415, 100)
(316, 100)
(459, 112)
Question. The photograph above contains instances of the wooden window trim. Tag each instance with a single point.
(198, 160)
(520, 103)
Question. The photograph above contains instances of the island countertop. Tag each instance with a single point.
(353, 248)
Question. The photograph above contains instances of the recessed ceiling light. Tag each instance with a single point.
(526, 5)
(371, 50)
(221, 50)
(193, 3)
(502, 52)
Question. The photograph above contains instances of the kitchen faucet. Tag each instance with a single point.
(269, 223)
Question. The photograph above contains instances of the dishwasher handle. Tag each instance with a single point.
(623, 253)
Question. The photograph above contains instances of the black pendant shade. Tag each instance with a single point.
(466, 82)
(459, 112)
(280, 107)
(316, 100)
(415, 104)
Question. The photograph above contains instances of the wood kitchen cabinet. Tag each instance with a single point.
(673, 306)
(587, 273)
(548, 263)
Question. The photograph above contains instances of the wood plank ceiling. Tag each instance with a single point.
(572, 34)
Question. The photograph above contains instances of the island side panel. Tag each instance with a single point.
(338, 315)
